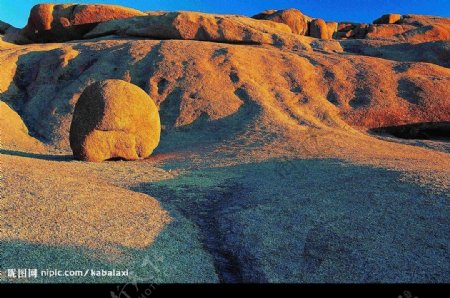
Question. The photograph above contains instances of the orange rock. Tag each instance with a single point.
(94, 13)
(332, 28)
(41, 18)
(14, 134)
(205, 69)
(413, 29)
(388, 19)
(297, 21)
(318, 29)
(195, 26)
(62, 22)
(114, 119)
(388, 31)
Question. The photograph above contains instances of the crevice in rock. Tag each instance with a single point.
(423, 130)
(207, 209)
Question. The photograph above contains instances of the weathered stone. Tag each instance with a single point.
(332, 28)
(63, 22)
(297, 21)
(114, 119)
(318, 29)
(388, 19)
(195, 26)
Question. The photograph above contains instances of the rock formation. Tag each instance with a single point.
(173, 55)
(297, 21)
(352, 30)
(332, 28)
(4, 27)
(114, 119)
(64, 22)
(267, 145)
(194, 26)
(50, 22)
(388, 19)
(318, 29)
(409, 28)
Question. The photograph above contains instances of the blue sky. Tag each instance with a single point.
(16, 12)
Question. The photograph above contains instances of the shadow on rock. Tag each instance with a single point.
(311, 221)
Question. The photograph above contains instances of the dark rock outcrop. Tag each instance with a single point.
(63, 22)
(4, 27)
(426, 130)
(318, 29)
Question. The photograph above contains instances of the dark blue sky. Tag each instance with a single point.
(16, 12)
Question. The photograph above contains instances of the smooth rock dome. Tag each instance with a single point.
(114, 119)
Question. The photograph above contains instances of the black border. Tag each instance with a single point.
(278, 290)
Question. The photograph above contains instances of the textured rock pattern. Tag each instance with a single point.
(44, 82)
(195, 26)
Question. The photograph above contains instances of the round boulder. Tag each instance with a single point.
(114, 119)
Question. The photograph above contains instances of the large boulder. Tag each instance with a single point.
(332, 28)
(62, 22)
(407, 28)
(114, 119)
(195, 26)
(318, 29)
(388, 19)
(297, 21)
